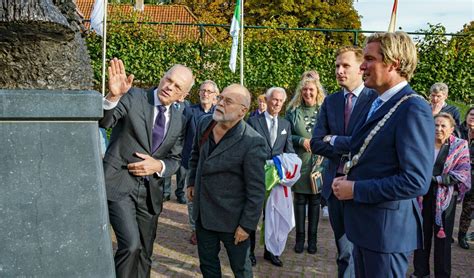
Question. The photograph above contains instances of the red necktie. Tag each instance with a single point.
(347, 110)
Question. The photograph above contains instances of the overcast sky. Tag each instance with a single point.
(413, 15)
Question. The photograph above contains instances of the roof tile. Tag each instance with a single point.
(151, 13)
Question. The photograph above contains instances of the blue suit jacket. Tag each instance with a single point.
(395, 168)
(192, 116)
(331, 122)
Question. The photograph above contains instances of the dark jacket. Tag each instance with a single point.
(331, 122)
(229, 182)
(395, 168)
(283, 142)
(132, 122)
(192, 115)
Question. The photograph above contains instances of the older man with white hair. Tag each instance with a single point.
(277, 132)
(438, 96)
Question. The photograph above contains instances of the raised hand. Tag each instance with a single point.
(119, 83)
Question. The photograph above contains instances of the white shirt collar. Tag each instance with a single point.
(157, 100)
(388, 94)
(268, 116)
(356, 91)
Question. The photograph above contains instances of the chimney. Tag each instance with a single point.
(139, 5)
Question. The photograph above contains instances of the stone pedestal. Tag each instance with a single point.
(53, 208)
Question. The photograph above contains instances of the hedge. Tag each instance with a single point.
(274, 58)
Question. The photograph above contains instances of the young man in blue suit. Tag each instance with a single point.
(338, 115)
(392, 167)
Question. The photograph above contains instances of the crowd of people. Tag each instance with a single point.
(389, 165)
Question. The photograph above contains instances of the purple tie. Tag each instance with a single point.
(347, 111)
(158, 132)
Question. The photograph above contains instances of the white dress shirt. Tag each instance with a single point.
(269, 119)
(356, 93)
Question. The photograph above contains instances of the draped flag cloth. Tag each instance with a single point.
(280, 174)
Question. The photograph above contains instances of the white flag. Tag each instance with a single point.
(234, 32)
(97, 17)
(393, 18)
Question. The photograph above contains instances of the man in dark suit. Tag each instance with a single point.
(181, 173)
(226, 183)
(338, 115)
(180, 105)
(208, 91)
(277, 132)
(391, 164)
(145, 146)
(438, 96)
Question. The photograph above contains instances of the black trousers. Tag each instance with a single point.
(180, 182)
(442, 246)
(467, 208)
(135, 225)
(209, 246)
(299, 202)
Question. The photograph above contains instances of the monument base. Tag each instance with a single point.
(53, 207)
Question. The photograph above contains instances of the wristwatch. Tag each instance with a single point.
(327, 138)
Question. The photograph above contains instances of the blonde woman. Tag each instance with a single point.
(302, 114)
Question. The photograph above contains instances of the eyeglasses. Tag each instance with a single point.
(206, 92)
(227, 101)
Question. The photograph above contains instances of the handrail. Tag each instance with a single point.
(356, 32)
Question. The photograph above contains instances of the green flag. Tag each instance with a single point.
(234, 32)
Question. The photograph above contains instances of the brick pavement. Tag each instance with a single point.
(174, 256)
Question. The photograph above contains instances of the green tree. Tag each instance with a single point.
(283, 13)
(445, 60)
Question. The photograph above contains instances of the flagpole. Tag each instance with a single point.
(104, 43)
(393, 18)
(242, 43)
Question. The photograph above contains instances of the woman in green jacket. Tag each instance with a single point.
(303, 114)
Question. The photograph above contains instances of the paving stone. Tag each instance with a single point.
(176, 257)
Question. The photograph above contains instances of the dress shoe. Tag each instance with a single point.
(193, 239)
(275, 260)
(312, 249)
(299, 246)
(413, 275)
(181, 200)
(462, 241)
(166, 198)
(253, 260)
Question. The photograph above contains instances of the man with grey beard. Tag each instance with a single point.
(226, 183)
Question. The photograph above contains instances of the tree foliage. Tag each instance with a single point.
(276, 58)
(282, 13)
(446, 60)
